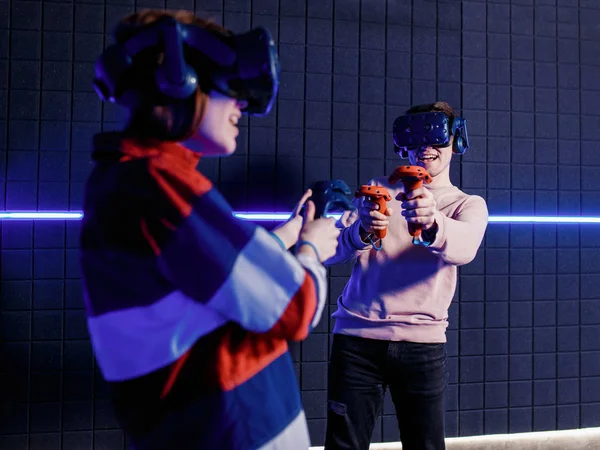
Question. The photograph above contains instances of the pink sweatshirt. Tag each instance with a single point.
(403, 291)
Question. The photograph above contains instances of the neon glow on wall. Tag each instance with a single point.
(278, 217)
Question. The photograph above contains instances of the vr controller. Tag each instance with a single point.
(378, 195)
(432, 129)
(244, 67)
(331, 196)
(412, 177)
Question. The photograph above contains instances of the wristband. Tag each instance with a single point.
(369, 238)
(301, 243)
(279, 240)
(427, 237)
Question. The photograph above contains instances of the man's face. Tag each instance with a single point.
(434, 159)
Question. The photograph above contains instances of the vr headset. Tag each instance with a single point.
(244, 67)
(432, 129)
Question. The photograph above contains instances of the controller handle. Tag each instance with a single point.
(378, 195)
(412, 177)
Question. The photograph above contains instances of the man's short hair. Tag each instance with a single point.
(442, 107)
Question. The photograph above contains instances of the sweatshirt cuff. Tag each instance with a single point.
(354, 236)
(440, 236)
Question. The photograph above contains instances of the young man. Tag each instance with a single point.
(390, 328)
(190, 309)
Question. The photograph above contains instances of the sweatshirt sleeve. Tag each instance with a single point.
(349, 242)
(232, 266)
(458, 239)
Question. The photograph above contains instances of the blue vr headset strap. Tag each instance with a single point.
(461, 138)
(205, 42)
(174, 78)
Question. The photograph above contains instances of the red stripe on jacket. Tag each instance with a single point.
(243, 354)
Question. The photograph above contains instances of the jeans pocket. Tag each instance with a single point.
(340, 433)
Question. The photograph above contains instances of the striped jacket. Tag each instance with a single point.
(190, 309)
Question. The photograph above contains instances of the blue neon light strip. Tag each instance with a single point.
(35, 215)
(277, 217)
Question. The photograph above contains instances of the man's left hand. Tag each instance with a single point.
(419, 207)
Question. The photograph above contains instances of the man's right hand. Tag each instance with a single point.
(371, 219)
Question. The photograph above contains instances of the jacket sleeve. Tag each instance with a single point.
(458, 239)
(232, 266)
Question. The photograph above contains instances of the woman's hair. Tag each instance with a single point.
(442, 107)
(153, 115)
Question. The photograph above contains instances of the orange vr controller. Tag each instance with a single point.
(378, 195)
(412, 177)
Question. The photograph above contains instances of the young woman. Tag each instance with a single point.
(190, 309)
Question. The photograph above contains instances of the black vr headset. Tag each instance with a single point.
(431, 129)
(244, 67)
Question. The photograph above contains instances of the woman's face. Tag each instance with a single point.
(218, 131)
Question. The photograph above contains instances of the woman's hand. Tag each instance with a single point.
(289, 231)
(320, 236)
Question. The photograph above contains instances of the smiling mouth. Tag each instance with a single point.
(427, 158)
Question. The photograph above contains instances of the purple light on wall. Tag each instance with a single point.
(281, 216)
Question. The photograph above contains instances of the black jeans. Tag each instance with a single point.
(360, 371)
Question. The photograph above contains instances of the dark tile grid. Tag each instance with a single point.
(523, 360)
(52, 398)
(527, 358)
(54, 394)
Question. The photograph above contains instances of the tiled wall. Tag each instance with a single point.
(524, 340)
